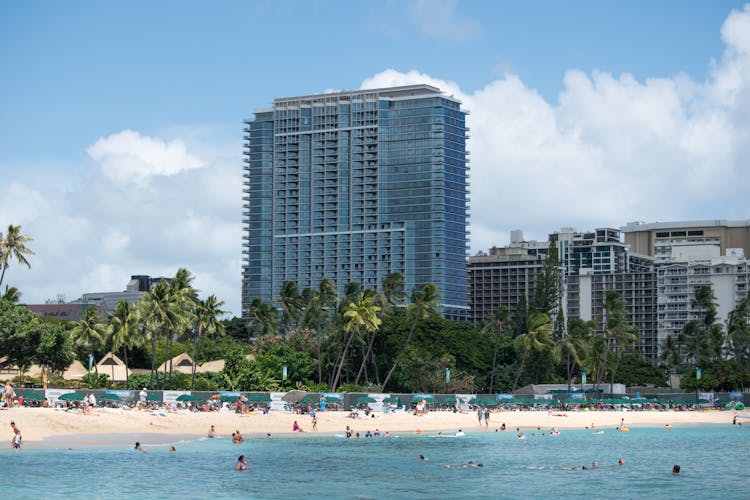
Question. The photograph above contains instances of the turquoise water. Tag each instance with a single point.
(715, 464)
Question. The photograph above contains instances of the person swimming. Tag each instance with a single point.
(460, 433)
(621, 462)
(241, 463)
(520, 435)
(172, 449)
(212, 432)
(138, 447)
(676, 470)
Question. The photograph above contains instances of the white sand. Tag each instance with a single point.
(41, 423)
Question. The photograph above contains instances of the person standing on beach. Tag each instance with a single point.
(17, 440)
(486, 418)
(9, 395)
(142, 397)
(315, 423)
(479, 416)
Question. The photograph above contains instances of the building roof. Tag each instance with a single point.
(113, 367)
(182, 363)
(631, 227)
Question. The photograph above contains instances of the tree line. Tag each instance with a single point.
(386, 340)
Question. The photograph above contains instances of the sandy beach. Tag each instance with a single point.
(106, 425)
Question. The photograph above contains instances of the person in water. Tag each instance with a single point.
(212, 432)
(237, 438)
(138, 447)
(621, 462)
(241, 463)
(676, 470)
(420, 458)
(172, 449)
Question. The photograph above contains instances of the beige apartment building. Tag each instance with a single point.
(656, 238)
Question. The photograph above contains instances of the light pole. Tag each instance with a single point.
(283, 371)
(447, 379)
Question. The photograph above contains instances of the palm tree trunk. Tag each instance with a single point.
(153, 362)
(341, 363)
(320, 358)
(520, 371)
(364, 360)
(125, 357)
(494, 365)
(395, 361)
(3, 274)
(569, 371)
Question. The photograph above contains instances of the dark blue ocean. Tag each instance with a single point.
(715, 462)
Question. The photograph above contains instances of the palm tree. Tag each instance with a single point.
(89, 333)
(290, 306)
(264, 317)
(13, 245)
(123, 330)
(207, 314)
(671, 355)
(536, 339)
(184, 297)
(393, 289)
(162, 315)
(11, 294)
(424, 303)
(618, 333)
(318, 316)
(495, 327)
(738, 336)
(574, 345)
(359, 314)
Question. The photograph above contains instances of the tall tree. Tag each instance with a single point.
(495, 327)
(264, 318)
(89, 334)
(424, 303)
(318, 316)
(207, 314)
(738, 337)
(536, 340)
(394, 289)
(291, 306)
(162, 316)
(184, 298)
(123, 330)
(546, 296)
(573, 345)
(13, 245)
(12, 294)
(618, 334)
(361, 314)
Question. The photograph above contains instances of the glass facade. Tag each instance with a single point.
(353, 186)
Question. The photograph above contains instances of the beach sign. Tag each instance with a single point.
(170, 397)
(53, 395)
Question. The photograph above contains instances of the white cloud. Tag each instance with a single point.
(91, 236)
(612, 149)
(130, 157)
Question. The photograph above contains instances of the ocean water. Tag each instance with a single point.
(715, 463)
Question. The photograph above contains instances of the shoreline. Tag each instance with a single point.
(49, 427)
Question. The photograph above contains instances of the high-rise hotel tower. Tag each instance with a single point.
(352, 186)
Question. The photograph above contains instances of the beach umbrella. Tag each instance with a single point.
(110, 397)
(153, 397)
(365, 399)
(306, 399)
(293, 396)
(189, 397)
(449, 400)
(229, 399)
(71, 396)
(391, 399)
(33, 396)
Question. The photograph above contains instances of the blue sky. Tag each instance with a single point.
(121, 122)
